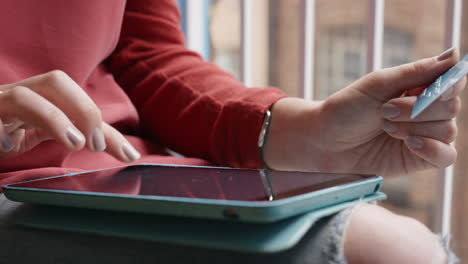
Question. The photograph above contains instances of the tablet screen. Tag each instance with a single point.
(196, 182)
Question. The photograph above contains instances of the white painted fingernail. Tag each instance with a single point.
(74, 136)
(97, 140)
(130, 152)
(389, 127)
(390, 111)
(7, 144)
(414, 142)
(446, 54)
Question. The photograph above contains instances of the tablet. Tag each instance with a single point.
(194, 191)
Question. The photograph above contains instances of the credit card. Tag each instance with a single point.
(439, 86)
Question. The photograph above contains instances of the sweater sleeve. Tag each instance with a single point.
(189, 105)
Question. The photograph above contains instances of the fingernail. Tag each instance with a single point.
(7, 144)
(447, 95)
(130, 152)
(446, 54)
(389, 127)
(74, 136)
(414, 142)
(98, 140)
(390, 111)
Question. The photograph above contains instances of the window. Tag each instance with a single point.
(413, 30)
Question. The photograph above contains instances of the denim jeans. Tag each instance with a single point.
(322, 244)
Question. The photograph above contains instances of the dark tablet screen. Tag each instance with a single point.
(196, 182)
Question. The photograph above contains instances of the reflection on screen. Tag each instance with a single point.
(196, 182)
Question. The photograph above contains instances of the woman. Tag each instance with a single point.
(126, 88)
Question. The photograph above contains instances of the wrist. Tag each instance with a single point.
(290, 142)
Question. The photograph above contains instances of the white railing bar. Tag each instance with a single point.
(307, 48)
(246, 42)
(444, 196)
(453, 18)
(453, 23)
(375, 35)
(197, 30)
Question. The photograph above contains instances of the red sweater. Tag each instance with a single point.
(131, 60)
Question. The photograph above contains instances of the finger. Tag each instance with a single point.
(26, 140)
(12, 125)
(67, 95)
(444, 131)
(415, 91)
(399, 109)
(118, 146)
(32, 138)
(33, 109)
(433, 151)
(17, 138)
(391, 82)
(454, 91)
(7, 144)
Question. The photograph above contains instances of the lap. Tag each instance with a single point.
(22, 245)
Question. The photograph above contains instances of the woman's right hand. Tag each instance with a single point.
(52, 106)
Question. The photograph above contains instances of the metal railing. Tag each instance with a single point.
(197, 40)
(452, 39)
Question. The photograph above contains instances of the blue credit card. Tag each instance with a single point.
(439, 86)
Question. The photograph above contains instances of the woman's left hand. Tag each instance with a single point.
(366, 127)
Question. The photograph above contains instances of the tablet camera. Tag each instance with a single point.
(230, 214)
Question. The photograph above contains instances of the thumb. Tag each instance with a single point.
(389, 83)
(25, 140)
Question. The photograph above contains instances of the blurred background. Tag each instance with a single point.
(412, 30)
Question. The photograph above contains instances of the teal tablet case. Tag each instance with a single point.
(229, 235)
(244, 211)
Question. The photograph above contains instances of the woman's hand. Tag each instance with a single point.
(366, 127)
(52, 106)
